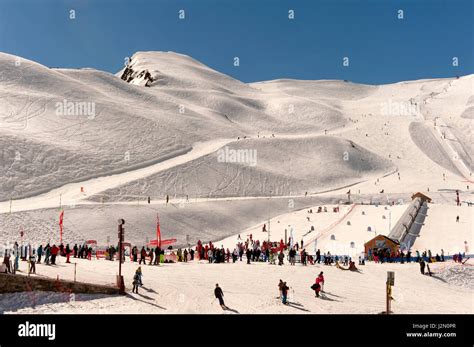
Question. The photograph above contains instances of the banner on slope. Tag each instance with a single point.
(159, 242)
(162, 242)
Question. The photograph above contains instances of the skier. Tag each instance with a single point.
(47, 254)
(68, 253)
(209, 255)
(280, 287)
(422, 266)
(235, 255)
(319, 281)
(292, 255)
(6, 260)
(272, 258)
(220, 296)
(139, 275)
(284, 293)
(150, 254)
(54, 253)
(136, 281)
(303, 257)
(32, 263)
(149, 200)
(457, 219)
(135, 254)
(185, 255)
(157, 255)
(281, 256)
(249, 255)
(167, 199)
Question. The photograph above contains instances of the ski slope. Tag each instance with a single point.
(136, 127)
(72, 194)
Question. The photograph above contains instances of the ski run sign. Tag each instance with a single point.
(37, 330)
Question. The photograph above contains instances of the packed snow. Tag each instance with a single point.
(188, 288)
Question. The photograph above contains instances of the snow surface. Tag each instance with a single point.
(188, 288)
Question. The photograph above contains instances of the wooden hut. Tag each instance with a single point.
(381, 242)
(422, 196)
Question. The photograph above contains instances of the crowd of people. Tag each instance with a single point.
(250, 249)
(389, 256)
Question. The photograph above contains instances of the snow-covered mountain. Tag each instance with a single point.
(60, 126)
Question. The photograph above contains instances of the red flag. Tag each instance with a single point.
(61, 217)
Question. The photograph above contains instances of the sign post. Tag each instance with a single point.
(390, 283)
(268, 230)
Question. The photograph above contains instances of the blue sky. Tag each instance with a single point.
(381, 48)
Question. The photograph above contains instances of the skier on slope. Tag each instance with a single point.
(422, 266)
(284, 293)
(220, 296)
(319, 284)
(136, 282)
(139, 275)
(280, 286)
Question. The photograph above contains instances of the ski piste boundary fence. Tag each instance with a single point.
(330, 227)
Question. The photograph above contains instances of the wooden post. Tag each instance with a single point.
(390, 283)
(388, 298)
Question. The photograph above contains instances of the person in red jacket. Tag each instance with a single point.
(319, 283)
(54, 253)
